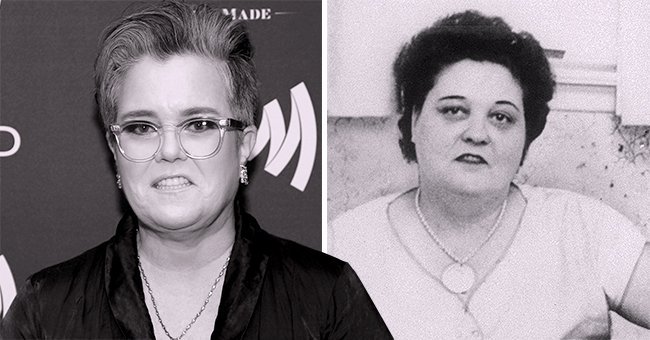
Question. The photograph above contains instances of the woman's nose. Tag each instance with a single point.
(170, 148)
(476, 131)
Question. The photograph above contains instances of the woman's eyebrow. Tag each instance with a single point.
(201, 110)
(507, 102)
(193, 111)
(138, 114)
(452, 97)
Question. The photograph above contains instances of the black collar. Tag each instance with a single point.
(242, 284)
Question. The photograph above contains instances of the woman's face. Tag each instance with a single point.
(173, 191)
(470, 135)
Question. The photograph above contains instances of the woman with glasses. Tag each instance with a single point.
(470, 253)
(177, 93)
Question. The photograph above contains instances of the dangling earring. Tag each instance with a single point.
(118, 181)
(243, 174)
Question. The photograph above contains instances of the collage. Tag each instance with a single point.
(324, 169)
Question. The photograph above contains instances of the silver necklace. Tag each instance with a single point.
(458, 277)
(205, 303)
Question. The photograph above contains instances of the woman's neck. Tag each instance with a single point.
(460, 211)
(187, 252)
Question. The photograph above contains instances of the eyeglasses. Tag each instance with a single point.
(199, 138)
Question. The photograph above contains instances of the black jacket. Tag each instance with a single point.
(273, 289)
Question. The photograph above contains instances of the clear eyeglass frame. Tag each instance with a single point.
(224, 124)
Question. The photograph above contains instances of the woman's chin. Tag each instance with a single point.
(173, 219)
(477, 185)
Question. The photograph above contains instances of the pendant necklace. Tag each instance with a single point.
(458, 277)
(205, 303)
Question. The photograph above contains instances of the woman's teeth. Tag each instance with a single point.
(173, 183)
(471, 159)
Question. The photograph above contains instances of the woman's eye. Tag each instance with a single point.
(201, 125)
(140, 129)
(501, 118)
(453, 111)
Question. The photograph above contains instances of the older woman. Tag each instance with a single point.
(177, 92)
(468, 253)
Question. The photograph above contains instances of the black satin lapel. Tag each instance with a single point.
(243, 282)
(123, 284)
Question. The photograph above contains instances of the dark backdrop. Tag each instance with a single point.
(57, 193)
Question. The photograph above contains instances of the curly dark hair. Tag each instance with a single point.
(471, 35)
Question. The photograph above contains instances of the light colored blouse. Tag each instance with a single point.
(567, 266)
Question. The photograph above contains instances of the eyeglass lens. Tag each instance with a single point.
(141, 141)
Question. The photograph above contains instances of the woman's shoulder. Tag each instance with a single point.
(290, 255)
(589, 232)
(52, 294)
(366, 214)
(548, 192)
(365, 229)
(554, 198)
(325, 293)
(563, 210)
(76, 271)
(297, 258)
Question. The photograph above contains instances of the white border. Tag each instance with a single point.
(7, 286)
(323, 116)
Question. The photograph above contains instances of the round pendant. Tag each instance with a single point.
(458, 278)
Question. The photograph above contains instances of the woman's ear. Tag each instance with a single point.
(414, 121)
(111, 144)
(248, 138)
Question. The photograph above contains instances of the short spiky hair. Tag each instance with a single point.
(471, 35)
(175, 28)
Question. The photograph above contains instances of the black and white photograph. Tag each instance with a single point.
(324, 169)
(161, 174)
(488, 165)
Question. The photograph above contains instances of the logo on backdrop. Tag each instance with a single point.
(252, 13)
(284, 143)
(16, 137)
(7, 286)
